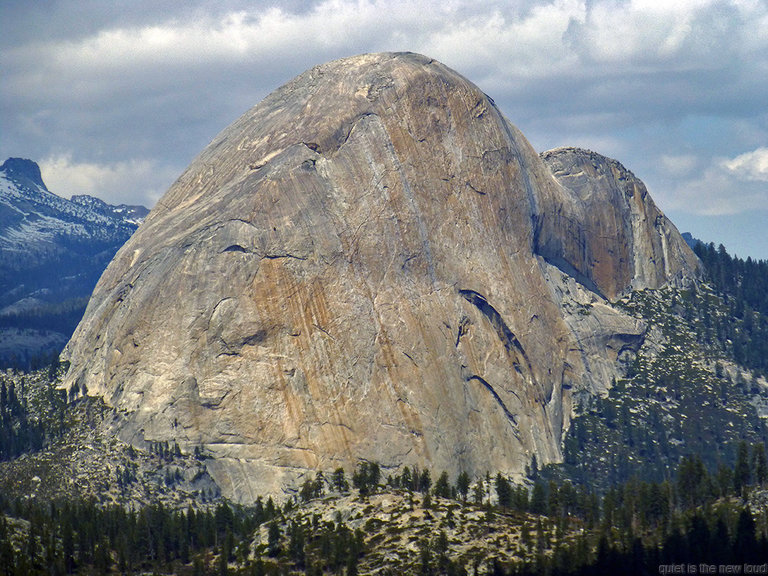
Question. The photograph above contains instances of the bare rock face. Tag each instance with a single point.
(352, 271)
(604, 228)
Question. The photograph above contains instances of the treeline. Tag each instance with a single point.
(28, 361)
(84, 538)
(698, 516)
(743, 285)
(745, 280)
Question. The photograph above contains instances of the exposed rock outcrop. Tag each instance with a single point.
(350, 271)
(604, 229)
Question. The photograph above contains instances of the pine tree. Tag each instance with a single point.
(478, 492)
(745, 541)
(760, 466)
(296, 543)
(425, 481)
(525, 535)
(692, 481)
(425, 556)
(366, 477)
(339, 481)
(307, 490)
(374, 476)
(538, 503)
(503, 492)
(724, 480)
(741, 472)
(406, 480)
(442, 486)
(441, 550)
(532, 472)
(462, 485)
(273, 540)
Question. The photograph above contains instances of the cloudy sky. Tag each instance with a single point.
(115, 98)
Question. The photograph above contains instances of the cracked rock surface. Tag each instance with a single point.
(604, 228)
(355, 269)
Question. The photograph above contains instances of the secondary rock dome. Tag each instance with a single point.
(357, 269)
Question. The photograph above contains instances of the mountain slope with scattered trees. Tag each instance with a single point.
(743, 286)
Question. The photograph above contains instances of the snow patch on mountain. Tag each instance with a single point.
(33, 218)
(52, 252)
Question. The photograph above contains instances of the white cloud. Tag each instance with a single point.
(618, 76)
(237, 36)
(749, 166)
(510, 46)
(141, 180)
(726, 187)
(693, 34)
(522, 48)
(537, 39)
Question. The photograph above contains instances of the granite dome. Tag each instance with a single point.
(370, 264)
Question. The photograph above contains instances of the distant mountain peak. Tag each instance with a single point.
(133, 214)
(23, 171)
(52, 252)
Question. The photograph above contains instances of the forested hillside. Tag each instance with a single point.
(743, 285)
(411, 524)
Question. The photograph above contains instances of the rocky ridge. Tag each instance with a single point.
(606, 231)
(52, 252)
(80, 457)
(35, 220)
(373, 264)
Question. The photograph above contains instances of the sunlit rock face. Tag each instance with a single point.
(605, 229)
(351, 271)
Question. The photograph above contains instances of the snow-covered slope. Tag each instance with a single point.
(33, 220)
(52, 252)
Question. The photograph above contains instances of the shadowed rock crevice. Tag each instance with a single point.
(278, 256)
(552, 256)
(507, 337)
(496, 397)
